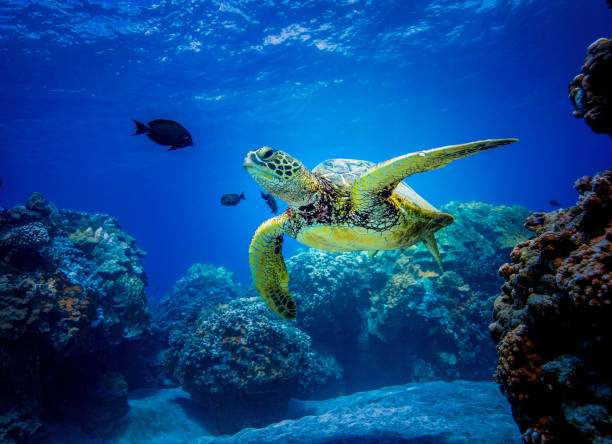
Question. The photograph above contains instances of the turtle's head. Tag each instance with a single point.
(280, 175)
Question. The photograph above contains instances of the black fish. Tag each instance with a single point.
(165, 132)
(232, 199)
(270, 201)
(554, 203)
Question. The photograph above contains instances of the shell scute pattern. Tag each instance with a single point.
(343, 172)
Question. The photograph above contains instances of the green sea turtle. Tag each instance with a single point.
(344, 205)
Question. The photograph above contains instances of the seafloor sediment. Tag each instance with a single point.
(434, 412)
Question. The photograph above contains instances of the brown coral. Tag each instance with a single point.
(552, 321)
(591, 90)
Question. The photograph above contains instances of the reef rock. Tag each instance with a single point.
(331, 292)
(552, 322)
(61, 312)
(243, 364)
(435, 412)
(203, 288)
(591, 90)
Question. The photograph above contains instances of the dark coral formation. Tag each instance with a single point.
(203, 288)
(394, 318)
(591, 90)
(71, 289)
(240, 361)
(329, 290)
(552, 322)
(243, 364)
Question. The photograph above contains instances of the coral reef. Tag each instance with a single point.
(394, 318)
(71, 289)
(243, 364)
(331, 294)
(552, 322)
(239, 361)
(591, 90)
(203, 288)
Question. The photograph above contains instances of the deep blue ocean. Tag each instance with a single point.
(319, 79)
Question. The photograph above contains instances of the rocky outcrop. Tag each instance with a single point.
(243, 364)
(202, 289)
(436, 412)
(552, 322)
(203, 286)
(239, 361)
(591, 91)
(71, 290)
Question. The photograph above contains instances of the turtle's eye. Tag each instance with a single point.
(266, 153)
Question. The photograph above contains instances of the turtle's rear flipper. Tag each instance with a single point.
(268, 269)
(432, 247)
(384, 177)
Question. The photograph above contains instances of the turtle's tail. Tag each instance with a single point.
(432, 247)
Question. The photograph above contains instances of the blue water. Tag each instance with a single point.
(320, 79)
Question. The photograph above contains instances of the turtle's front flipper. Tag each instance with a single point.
(385, 176)
(268, 269)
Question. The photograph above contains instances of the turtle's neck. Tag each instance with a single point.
(313, 189)
(304, 189)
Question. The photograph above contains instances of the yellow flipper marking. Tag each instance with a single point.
(364, 192)
(268, 269)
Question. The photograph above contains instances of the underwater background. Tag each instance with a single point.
(359, 80)
(355, 79)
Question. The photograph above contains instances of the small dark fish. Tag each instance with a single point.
(165, 132)
(270, 201)
(0, 182)
(232, 199)
(554, 203)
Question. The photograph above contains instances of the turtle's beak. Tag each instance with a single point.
(251, 161)
(258, 169)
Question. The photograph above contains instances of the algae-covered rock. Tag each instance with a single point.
(174, 319)
(330, 290)
(202, 286)
(243, 364)
(590, 91)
